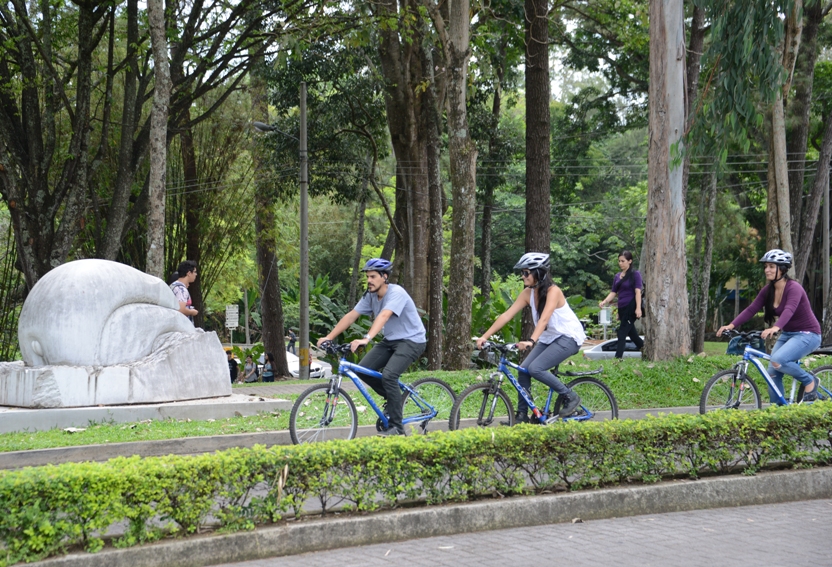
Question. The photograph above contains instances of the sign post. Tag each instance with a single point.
(232, 320)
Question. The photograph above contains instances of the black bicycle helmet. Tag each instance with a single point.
(379, 265)
(533, 261)
(777, 256)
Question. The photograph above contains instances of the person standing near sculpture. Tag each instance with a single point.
(187, 276)
(627, 285)
(233, 368)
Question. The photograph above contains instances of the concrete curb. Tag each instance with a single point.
(340, 531)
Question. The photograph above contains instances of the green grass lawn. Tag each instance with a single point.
(635, 383)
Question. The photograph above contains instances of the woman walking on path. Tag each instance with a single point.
(787, 310)
(628, 286)
(557, 335)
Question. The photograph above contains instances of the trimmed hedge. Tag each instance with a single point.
(49, 510)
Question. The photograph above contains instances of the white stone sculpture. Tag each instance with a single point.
(96, 332)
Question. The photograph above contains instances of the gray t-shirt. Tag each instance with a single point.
(404, 324)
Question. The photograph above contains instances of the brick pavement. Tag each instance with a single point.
(750, 536)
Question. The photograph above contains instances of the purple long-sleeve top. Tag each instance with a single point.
(794, 314)
(626, 289)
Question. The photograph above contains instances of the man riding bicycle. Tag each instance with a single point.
(404, 340)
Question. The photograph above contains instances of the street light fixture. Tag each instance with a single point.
(303, 373)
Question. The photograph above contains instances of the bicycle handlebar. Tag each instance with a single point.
(503, 348)
(731, 333)
(333, 348)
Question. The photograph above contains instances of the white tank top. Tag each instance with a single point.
(562, 322)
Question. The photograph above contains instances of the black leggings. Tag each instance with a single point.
(627, 326)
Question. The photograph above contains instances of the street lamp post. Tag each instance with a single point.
(303, 373)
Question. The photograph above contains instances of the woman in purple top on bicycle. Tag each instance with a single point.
(627, 286)
(787, 310)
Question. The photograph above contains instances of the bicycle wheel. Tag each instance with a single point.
(824, 374)
(726, 390)
(429, 393)
(319, 416)
(483, 406)
(597, 401)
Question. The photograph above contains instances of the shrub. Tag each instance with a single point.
(51, 509)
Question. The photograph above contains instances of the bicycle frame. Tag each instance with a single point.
(754, 356)
(504, 366)
(349, 369)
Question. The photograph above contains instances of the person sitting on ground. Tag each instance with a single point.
(788, 311)
(557, 335)
(268, 368)
(404, 336)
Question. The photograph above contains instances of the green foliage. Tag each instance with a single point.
(742, 70)
(50, 509)
(503, 295)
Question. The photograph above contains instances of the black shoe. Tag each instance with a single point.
(393, 431)
(570, 403)
(809, 397)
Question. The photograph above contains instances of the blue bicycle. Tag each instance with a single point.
(734, 389)
(487, 405)
(326, 411)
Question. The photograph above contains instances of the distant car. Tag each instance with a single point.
(316, 370)
(607, 348)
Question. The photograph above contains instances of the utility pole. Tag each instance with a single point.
(303, 370)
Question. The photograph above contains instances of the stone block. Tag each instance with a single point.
(182, 366)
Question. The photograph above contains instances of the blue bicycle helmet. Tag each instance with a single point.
(379, 265)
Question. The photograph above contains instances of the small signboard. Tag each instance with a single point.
(232, 316)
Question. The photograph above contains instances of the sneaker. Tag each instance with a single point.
(393, 431)
(809, 397)
(570, 403)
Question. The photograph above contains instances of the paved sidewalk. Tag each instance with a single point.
(751, 536)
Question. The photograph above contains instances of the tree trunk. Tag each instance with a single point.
(117, 213)
(491, 181)
(454, 35)
(779, 232)
(271, 305)
(158, 141)
(401, 66)
(538, 176)
(693, 69)
(701, 276)
(798, 115)
(668, 331)
(359, 245)
(193, 214)
(432, 124)
(820, 187)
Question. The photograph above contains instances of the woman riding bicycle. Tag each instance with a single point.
(787, 309)
(557, 332)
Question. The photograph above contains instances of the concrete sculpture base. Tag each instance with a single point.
(182, 366)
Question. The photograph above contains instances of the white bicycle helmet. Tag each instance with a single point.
(777, 256)
(533, 261)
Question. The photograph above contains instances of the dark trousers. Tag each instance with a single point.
(394, 357)
(627, 327)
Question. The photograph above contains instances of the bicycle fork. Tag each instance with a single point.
(331, 405)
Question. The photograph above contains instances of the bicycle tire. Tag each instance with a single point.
(824, 374)
(435, 392)
(597, 401)
(721, 392)
(316, 403)
(476, 401)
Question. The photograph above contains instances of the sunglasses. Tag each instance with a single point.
(525, 273)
